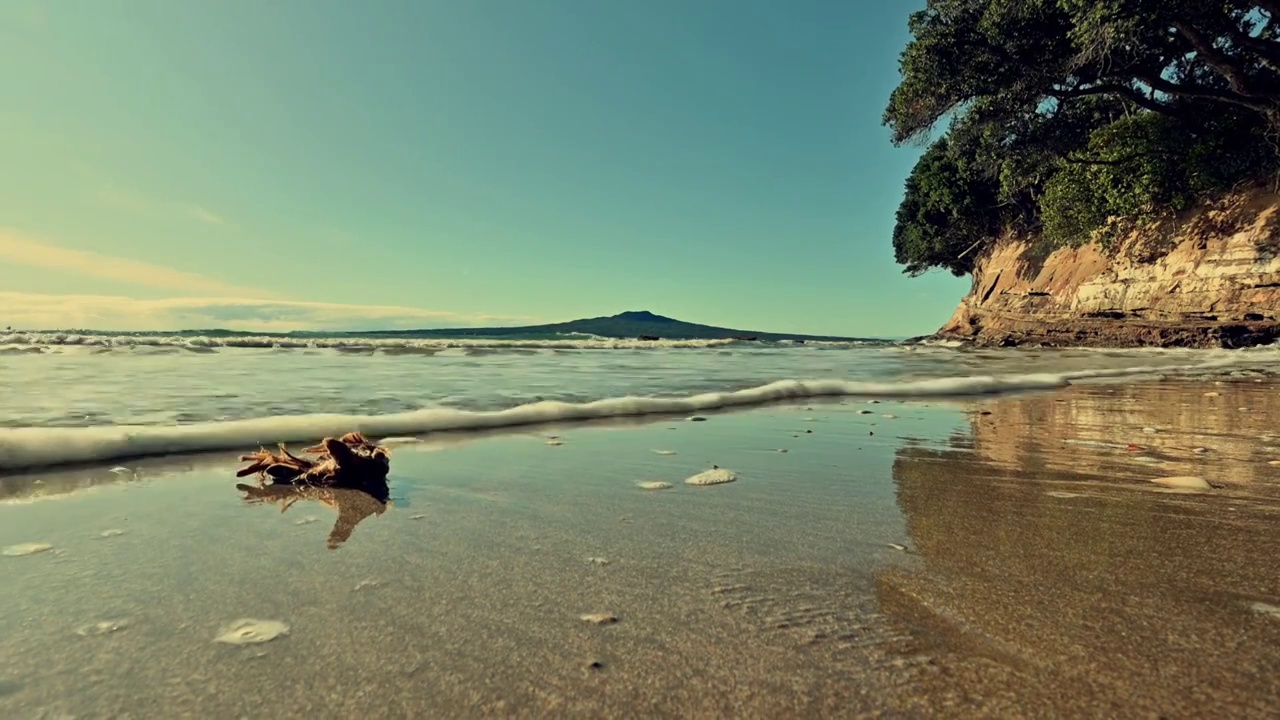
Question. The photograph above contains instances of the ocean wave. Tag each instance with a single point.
(31, 447)
(356, 345)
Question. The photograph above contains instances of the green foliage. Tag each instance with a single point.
(949, 206)
(1069, 112)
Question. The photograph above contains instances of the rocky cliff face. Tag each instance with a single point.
(1209, 278)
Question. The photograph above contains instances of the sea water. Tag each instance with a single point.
(87, 398)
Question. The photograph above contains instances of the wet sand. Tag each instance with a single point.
(944, 562)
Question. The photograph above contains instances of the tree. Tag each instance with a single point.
(1148, 103)
(950, 205)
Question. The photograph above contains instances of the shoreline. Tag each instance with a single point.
(977, 555)
(28, 448)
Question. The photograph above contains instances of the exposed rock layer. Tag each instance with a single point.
(1210, 278)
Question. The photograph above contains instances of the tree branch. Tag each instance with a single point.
(1267, 51)
(1199, 91)
(1218, 60)
(1124, 91)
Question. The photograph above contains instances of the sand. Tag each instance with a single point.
(1019, 562)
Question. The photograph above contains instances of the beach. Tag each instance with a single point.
(990, 556)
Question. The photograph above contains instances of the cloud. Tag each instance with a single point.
(16, 249)
(32, 311)
(205, 215)
(116, 196)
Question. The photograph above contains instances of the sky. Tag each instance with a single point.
(324, 164)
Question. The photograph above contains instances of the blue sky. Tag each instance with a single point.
(398, 164)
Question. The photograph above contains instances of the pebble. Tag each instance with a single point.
(1212, 394)
(1189, 482)
(102, 627)
(864, 412)
(113, 532)
(714, 476)
(555, 443)
(366, 584)
(1273, 462)
(1199, 450)
(664, 452)
(1149, 430)
(654, 485)
(22, 549)
(306, 520)
(1266, 609)
(419, 516)
(601, 618)
(598, 561)
(697, 418)
(248, 631)
(889, 416)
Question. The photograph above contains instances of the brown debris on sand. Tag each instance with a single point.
(349, 475)
(349, 461)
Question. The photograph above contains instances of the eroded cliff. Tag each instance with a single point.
(1208, 278)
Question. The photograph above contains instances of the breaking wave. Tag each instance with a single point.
(34, 342)
(31, 447)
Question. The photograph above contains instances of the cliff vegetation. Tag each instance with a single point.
(1075, 120)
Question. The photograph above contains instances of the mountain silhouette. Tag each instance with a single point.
(630, 324)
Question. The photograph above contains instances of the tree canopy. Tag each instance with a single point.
(1063, 113)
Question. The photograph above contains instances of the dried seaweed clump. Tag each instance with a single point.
(350, 461)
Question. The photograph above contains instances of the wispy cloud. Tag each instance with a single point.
(17, 249)
(112, 194)
(205, 215)
(33, 311)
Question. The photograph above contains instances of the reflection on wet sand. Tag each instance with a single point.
(1224, 431)
(353, 505)
(1048, 586)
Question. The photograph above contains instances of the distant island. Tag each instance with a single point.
(635, 324)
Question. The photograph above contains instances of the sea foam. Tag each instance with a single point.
(33, 447)
(33, 341)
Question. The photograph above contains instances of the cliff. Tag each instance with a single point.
(1207, 278)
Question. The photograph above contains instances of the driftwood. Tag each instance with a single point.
(350, 461)
(348, 474)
